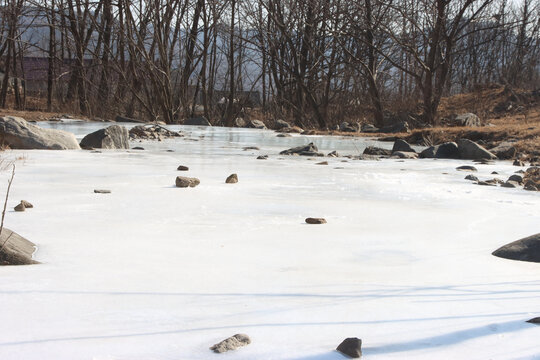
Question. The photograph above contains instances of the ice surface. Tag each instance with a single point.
(151, 271)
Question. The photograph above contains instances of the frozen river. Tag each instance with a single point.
(151, 271)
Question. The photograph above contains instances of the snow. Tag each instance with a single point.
(151, 271)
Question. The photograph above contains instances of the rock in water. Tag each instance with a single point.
(402, 145)
(112, 137)
(316, 221)
(305, 150)
(526, 249)
(232, 343)
(27, 204)
(184, 182)
(20, 207)
(17, 133)
(182, 168)
(232, 179)
(102, 191)
(16, 250)
(535, 320)
(351, 347)
(466, 168)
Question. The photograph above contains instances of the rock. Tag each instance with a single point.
(333, 154)
(197, 121)
(373, 150)
(471, 177)
(346, 127)
(526, 249)
(402, 145)
(152, 132)
(494, 173)
(369, 128)
(112, 137)
(535, 320)
(27, 204)
(470, 150)
(292, 129)
(504, 150)
(467, 119)
(20, 207)
(182, 168)
(531, 186)
(246, 148)
(447, 150)
(466, 168)
(304, 150)
(280, 124)
(15, 249)
(102, 191)
(232, 179)
(404, 155)
(262, 157)
(17, 133)
(256, 124)
(239, 122)
(352, 347)
(284, 135)
(400, 127)
(516, 178)
(184, 182)
(315, 221)
(518, 162)
(137, 148)
(486, 183)
(322, 163)
(510, 184)
(232, 343)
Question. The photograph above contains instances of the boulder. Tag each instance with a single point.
(304, 150)
(333, 154)
(20, 207)
(292, 129)
(182, 168)
(517, 178)
(232, 179)
(280, 124)
(322, 163)
(239, 122)
(15, 249)
(373, 150)
(351, 347)
(466, 168)
(232, 343)
(256, 124)
(316, 221)
(17, 133)
(27, 204)
(102, 191)
(152, 132)
(184, 182)
(112, 137)
(369, 128)
(471, 178)
(472, 151)
(400, 127)
(526, 249)
(447, 150)
(346, 127)
(404, 155)
(467, 119)
(510, 184)
(284, 135)
(197, 121)
(402, 145)
(262, 157)
(535, 320)
(505, 150)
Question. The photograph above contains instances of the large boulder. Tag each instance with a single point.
(197, 121)
(402, 145)
(15, 250)
(470, 150)
(112, 137)
(505, 150)
(17, 133)
(447, 150)
(526, 249)
(280, 124)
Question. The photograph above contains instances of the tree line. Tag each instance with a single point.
(314, 62)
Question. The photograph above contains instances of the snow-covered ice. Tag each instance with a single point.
(151, 271)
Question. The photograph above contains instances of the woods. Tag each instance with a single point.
(314, 62)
